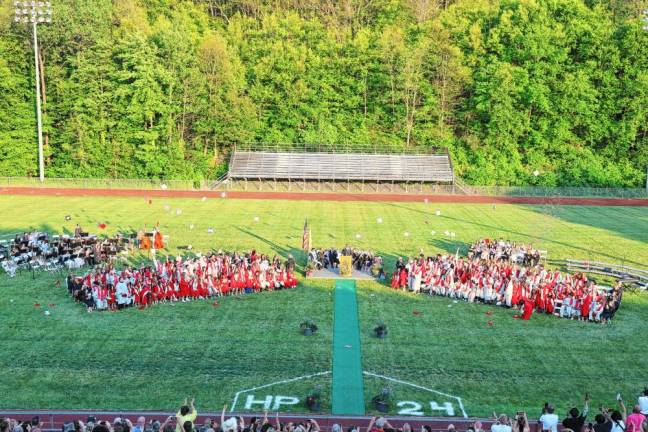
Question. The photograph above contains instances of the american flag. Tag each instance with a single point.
(306, 238)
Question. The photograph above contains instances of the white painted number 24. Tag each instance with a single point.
(415, 409)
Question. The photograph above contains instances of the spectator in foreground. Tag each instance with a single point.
(168, 425)
(576, 420)
(187, 413)
(521, 423)
(643, 402)
(378, 424)
(233, 423)
(549, 420)
(603, 423)
(140, 425)
(634, 422)
(502, 424)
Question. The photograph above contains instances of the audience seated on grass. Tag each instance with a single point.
(508, 275)
(181, 280)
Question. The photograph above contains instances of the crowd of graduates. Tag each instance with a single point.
(505, 274)
(181, 280)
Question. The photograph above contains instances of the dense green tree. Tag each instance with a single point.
(166, 88)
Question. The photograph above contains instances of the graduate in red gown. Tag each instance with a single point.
(585, 305)
(158, 240)
(527, 308)
(395, 279)
(402, 278)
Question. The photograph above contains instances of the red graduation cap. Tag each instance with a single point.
(102, 225)
(36, 305)
(490, 323)
(416, 313)
(489, 313)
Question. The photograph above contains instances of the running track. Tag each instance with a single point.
(322, 196)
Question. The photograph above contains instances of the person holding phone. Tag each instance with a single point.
(576, 420)
(521, 422)
(501, 424)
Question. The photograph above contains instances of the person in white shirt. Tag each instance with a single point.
(121, 292)
(643, 402)
(549, 420)
(502, 424)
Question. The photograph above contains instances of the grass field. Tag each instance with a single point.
(151, 359)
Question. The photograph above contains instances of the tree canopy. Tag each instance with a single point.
(165, 88)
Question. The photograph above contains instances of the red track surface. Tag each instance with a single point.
(323, 196)
(53, 420)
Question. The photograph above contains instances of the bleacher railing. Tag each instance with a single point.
(339, 148)
(157, 184)
(638, 277)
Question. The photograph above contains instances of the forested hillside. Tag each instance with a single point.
(164, 88)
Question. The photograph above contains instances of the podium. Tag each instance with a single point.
(346, 266)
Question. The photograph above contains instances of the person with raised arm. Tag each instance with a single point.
(576, 419)
(187, 413)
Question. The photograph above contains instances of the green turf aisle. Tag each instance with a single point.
(348, 389)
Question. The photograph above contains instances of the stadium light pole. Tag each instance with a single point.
(35, 12)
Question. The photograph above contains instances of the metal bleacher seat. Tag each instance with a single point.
(341, 166)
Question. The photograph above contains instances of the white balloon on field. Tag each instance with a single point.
(379, 220)
(438, 212)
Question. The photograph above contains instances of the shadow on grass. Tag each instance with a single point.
(300, 256)
(591, 220)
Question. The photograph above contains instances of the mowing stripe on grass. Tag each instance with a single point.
(348, 388)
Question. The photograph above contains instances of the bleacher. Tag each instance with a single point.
(265, 165)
